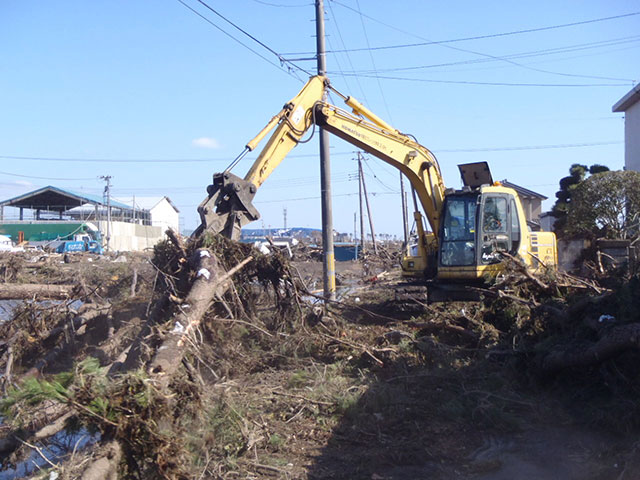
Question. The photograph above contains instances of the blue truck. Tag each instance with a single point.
(80, 243)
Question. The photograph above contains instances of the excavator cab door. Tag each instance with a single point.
(499, 227)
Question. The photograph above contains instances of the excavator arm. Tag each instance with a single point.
(228, 206)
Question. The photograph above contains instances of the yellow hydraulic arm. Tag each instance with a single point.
(228, 206)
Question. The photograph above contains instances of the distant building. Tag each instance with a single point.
(163, 213)
(531, 202)
(547, 222)
(52, 213)
(630, 106)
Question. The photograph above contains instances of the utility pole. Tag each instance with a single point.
(329, 263)
(362, 234)
(405, 223)
(355, 231)
(284, 212)
(107, 193)
(366, 199)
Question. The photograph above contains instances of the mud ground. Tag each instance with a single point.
(357, 392)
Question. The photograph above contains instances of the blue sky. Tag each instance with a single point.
(153, 95)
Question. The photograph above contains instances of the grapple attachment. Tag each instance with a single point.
(228, 206)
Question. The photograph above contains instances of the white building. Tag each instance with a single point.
(163, 212)
(630, 106)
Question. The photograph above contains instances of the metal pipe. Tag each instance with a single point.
(237, 159)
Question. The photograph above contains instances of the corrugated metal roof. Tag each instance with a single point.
(58, 199)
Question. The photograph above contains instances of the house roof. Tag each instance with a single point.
(57, 199)
(632, 97)
(148, 203)
(523, 191)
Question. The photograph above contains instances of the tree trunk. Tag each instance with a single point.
(614, 342)
(15, 291)
(211, 282)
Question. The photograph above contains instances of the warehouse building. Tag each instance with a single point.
(52, 213)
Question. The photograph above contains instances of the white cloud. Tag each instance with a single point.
(206, 142)
(24, 183)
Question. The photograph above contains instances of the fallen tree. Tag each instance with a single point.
(15, 291)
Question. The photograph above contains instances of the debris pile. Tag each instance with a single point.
(211, 360)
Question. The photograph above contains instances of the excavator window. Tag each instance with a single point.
(459, 231)
(495, 215)
(495, 229)
(515, 227)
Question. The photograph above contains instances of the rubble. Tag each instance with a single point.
(212, 360)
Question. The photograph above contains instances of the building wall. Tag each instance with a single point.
(547, 222)
(163, 215)
(632, 138)
(532, 207)
(128, 237)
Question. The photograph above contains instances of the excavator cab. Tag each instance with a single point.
(480, 222)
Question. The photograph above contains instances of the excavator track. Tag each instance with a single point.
(415, 297)
(411, 298)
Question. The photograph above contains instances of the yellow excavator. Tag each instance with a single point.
(469, 227)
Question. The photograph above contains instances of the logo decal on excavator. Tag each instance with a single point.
(354, 133)
(298, 114)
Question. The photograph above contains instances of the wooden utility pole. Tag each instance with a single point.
(329, 263)
(107, 192)
(362, 233)
(366, 199)
(405, 223)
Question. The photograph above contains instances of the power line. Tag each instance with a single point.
(529, 147)
(527, 54)
(462, 39)
(228, 34)
(146, 160)
(46, 178)
(244, 32)
(280, 58)
(375, 194)
(364, 30)
(269, 4)
(114, 160)
(500, 84)
(335, 19)
(390, 189)
(489, 149)
(459, 49)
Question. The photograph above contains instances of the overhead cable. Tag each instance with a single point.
(47, 178)
(488, 149)
(463, 39)
(526, 54)
(500, 84)
(474, 52)
(529, 147)
(364, 30)
(291, 66)
(244, 32)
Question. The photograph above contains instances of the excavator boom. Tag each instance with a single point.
(228, 206)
